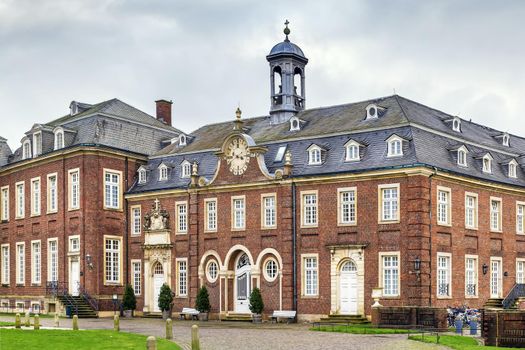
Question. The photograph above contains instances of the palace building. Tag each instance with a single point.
(316, 207)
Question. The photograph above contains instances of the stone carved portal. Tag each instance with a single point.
(157, 255)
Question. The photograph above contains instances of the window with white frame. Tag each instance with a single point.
(495, 214)
(352, 151)
(182, 217)
(471, 210)
(309, 202)
(394, 146)
(512, 169)
(5, 264)
(20, 200)
(52, 195)
(269, 211)
(136, 277)
(210, 206)
(238, 213)
(456, 124)
(142, 176)
(163, 172)
(26, 149)
(443, 210)
(5, 203)
(212, 271)
(310, 276)
(347, 206)
(112, 189)
(270, 270)
(444, 269)
(37, 144)
(505, 140)
(36, 260)
(182, 280)
(59, 139)
(74, 244)
(471, 276)
(520, 215)
(520, 271)
(462, 157)
(280, 154)
(20, 263)
(487, 164)
(52, 260)
(185, 169)
(112, 260)
(136, 224)
(495, 278)
(74, 189)
(389, 195)
(35, 196)
(390, 274)
(314, 155)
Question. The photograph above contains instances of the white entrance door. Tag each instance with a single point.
(242, 285)
(74, 277)
(495, 279)
(158, 281)
(348, 289)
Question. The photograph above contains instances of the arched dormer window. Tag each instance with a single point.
(142, 175)
(487, 163)
(372, 111)
(505, 140)
(352, 151)
(59, 138)
(462, 156)
(182, 140)
(456, 124)
(26, 149)
(394, 146)
(185, 169)
(314, 155)
(513, 169)
(37, 143)
(163, 172)
(295, 124)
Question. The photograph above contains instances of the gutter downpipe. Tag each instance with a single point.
(294, 248)
(126, 221)
(430, 233)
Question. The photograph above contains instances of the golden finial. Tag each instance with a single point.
(238, 113)
(286, 30)
(238, 121)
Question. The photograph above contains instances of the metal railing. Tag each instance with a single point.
(88, 298)
(516, 292)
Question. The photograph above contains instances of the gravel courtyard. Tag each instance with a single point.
(239, 336)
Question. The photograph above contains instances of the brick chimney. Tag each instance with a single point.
(164, 111)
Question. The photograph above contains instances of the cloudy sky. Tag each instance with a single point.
(466, 58)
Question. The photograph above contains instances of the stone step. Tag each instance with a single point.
(237, 317)
(353, 319)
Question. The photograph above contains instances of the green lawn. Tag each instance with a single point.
(78, 340)
(358, 329)
(455, 342)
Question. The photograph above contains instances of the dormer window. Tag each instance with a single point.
(513, 167)
(372, 111)
(163, 172)
(456, 124)
(395, 146)
(73, 108)
(182, 140)
(295, 125)
(505, 140)
(26, 149)
(185, 170)
(462, 156)
(352, 151)
(487, 164)
(280, 154)
(142, 175)
(37, 144)
(59, 139)
(314, 155)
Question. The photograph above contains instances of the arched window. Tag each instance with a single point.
(295, 125)
(314, 155)
(158, 270)
(185, 169)
(487, 164)
(395, 146)
(142, 176)
(372, 112)
(277, 87)
(243, 261)
(182, 140)
(505, 140)
(352, 151)
(513, 169)
(456, 124)
(26, 149)
(59, 139)
(348, 266)
(298, 81)
(270, 270)
(462, 157)
(212, 270)
(163, 172)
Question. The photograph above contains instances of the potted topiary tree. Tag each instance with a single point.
(256, 305)
(165, 300)
(203, 303)
(129, 302)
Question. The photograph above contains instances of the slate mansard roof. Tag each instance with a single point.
(111, 123)
(428, 134)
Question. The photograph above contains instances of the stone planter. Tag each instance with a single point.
(166, 314)
(203, 316)
(256, 318)
(128, 313)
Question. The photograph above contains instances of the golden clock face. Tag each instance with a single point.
(238, 155)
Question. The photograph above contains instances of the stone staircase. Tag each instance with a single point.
(152, 315)
(78, 305)
(232, 316)
(494, 303)
(352, 319)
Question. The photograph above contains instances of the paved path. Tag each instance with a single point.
(239, 336)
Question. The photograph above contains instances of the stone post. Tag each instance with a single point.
(169, 329)
(195, 344)
(75, 322)
(17, 321)
(27, 321)
(36, 322)
(116, 323)
(57, 322)
(151, 343)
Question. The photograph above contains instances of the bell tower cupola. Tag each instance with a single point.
(287, 82)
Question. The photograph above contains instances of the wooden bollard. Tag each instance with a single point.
(57, 322)
(18, 323)
(75, 322)
(36, 322)
(151, 343)
(195, 344)
(27, 321)
(116, 323)
(169, 329)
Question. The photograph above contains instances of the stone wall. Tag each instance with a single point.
(503, 328)
(410, 317)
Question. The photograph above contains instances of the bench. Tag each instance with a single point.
(290, 315)
(189, 311)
